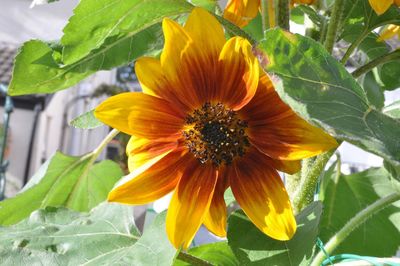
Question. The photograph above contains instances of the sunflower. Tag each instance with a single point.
(240, 12)
(209, 118)
(380, 6)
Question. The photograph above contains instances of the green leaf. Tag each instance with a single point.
(321, 90)
(252, 247)
(373, 90)
(210, 5)
(46, 75)
(360, 11)
(228, 197)
(347, 195)
(297, 15)
(393, 110)
(95, 21)
(86, 121)
(105, 236)
(73, 182)
(219, 254)
(389, 73)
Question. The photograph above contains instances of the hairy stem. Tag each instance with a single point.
(333, 26)
(376, 62)
(192, 260)
(356, 221)
(304, 195)
(284, 14)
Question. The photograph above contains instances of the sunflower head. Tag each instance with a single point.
(208, 119)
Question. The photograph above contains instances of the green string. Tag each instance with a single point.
(320, 244)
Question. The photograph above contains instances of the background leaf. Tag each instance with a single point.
(47, 75)
(73, 182)
(321, 90)
(218, 254)
(86, 121)
(255, 248)
(346, 195)
(105, 236)
(88, 30)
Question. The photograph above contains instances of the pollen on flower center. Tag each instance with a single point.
(215, 134)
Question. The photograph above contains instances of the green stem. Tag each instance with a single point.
(192, 260)
(334, 25)
(96, 152)
(284, 14)
(352, 47)
(310, 175)
(356, 221)
(264, 15)
(377, 61)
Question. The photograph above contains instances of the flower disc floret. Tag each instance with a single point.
(214, 133)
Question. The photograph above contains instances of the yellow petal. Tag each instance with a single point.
(205, 31)
(141, 150)
(190, 203)
(151, 183)
(238, 73)
(141, 115)
(277, 131)
(215, 219)
(240, 12)
(389, 33)
(380, 6)
(261, 194)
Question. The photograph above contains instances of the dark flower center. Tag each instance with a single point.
(215, 134)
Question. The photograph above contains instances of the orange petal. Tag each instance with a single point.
(153, 81)
(140, 150)
(190, 55)
(240, 12)
(277, 131)
(151, 183)
(190, 203)
(380, 6)
(238, 72)
(215, 219)
(141, 115)
(261, 194)
(290, 167)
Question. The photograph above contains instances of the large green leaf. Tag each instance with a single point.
(37, 68)
(321, 90)
(218, 254)
(344, 196)
(105, 236)
(252, 247)
(73, 182)
(94, 21)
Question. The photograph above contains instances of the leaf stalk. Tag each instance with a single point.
(376, 62)
(355, 222)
